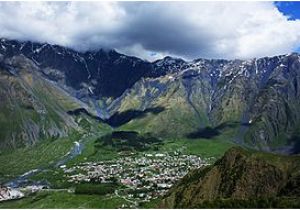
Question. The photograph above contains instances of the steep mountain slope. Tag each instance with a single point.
(264, 94)
(254, 98)
(239, 175)
(32, 108)
(182, 105)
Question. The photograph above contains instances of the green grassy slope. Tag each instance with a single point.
(32, 109)
(178, 117)
(43, 154)
(51, 200)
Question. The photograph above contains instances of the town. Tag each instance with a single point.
(146, 176)
(141, 177)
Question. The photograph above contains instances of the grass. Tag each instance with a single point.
(152, 204)
(201, 147)
(42, 154)
(64, 200)
(47, 152)
(214, 147)
(92, 153)
(95, 188)
(55, 177)
(177, 119)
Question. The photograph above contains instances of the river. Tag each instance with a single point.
(22, 180)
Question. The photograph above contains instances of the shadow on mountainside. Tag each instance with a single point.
(295, 139)
(210, 132)
(79, 111)
(119, 118)
(128, 141)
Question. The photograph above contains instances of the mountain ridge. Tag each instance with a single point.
(196, 96)
(240, 175)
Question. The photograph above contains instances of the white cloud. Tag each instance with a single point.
(138, 50)
(188, 29)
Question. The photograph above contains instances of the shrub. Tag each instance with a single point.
(99, 189)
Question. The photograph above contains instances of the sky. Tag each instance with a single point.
(290, 9)
(152, 30)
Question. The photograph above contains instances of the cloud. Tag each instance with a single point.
(152, 30)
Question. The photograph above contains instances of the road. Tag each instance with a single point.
(135, 203)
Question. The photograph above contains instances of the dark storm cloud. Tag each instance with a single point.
(153, 29)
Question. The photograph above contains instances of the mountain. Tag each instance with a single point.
(240, 177)
(254, 102)
(102, 73)
(32, 108)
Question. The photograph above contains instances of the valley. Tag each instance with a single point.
(139, 176)
(100, 129)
